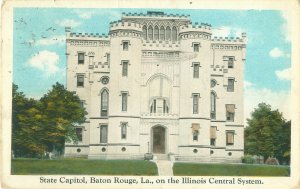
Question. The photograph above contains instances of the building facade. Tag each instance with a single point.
(158, 84)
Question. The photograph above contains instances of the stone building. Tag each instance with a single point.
(158, 84)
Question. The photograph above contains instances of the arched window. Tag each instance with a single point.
(174, 34)
(145, 32)
(213, 105)
(162, 33)
(156, 33)
(104, 103)
(168, 33)
(150, 33)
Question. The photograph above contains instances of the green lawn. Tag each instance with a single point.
(197, 169)
(82, 167)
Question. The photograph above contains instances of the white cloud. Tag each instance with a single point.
(68, 23)
(84, 14)
(46, 61)
(248, 84)
(60, 39)
(277, 99)
(283, 74)
(286, 27)
(276, 53)
(226, 31)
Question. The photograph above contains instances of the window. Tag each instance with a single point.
(168, 34)
(159, 105)
(162, 33)
(213, 105)
(150, 33)
(125, 45)
(213, 83)
(230, 110)
(80, 58)
(174, 34)
(124, 68)
(230, 86)
(79, 134)
(229, 137)
(230, 62)
(80, 80)
(195, 131)
(103, 133)
(123, 130)
(196, 70)
(104, 103)
(124, 101)
(165, 107)
(153, 107)
(213, 135)
(195, 103)
(108, 57)
(82, 102)
(196, 47)
(145, 32)
(156, 33)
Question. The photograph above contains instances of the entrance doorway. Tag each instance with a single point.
(158, 140)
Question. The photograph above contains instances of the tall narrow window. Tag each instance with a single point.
(145, 32)
(79, 134)
(196, 70)
(80, 80)
(174, 34)
(150, 33)
(230, 86)
(213, 135)
(103, 134)
(153, 107)
(124, 101)
(104, 103)
(195, 103)
(82, 102)
(125, 45)
(124, 68)
(230, 62)
(229, 137)
(195, 131)
(230, 110)
(123, 130)
(165, 106)
(108, 58)
(156, 33)
(213, 105)
(162, 33)
(80, 58)
(168, 34)
(196, 47)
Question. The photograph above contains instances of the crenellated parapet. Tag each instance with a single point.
(155, 15)
(195, 30)
(86, 39)
(229, 43)
(123, 28)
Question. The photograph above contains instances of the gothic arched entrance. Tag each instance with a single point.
(158, 139)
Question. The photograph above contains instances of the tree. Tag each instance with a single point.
(38, 126)
(63, 111)
(267, 133)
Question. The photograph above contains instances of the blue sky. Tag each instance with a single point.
(39, 46)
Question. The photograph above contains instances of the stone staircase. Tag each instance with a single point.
(164, 165)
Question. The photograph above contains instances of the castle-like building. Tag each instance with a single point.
(158, 84)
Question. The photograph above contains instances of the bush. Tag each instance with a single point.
(272, 161)
(248, 159)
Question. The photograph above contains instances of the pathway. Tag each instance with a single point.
(165, 167)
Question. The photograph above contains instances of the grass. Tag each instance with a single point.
(82, 167)
(197, 169)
